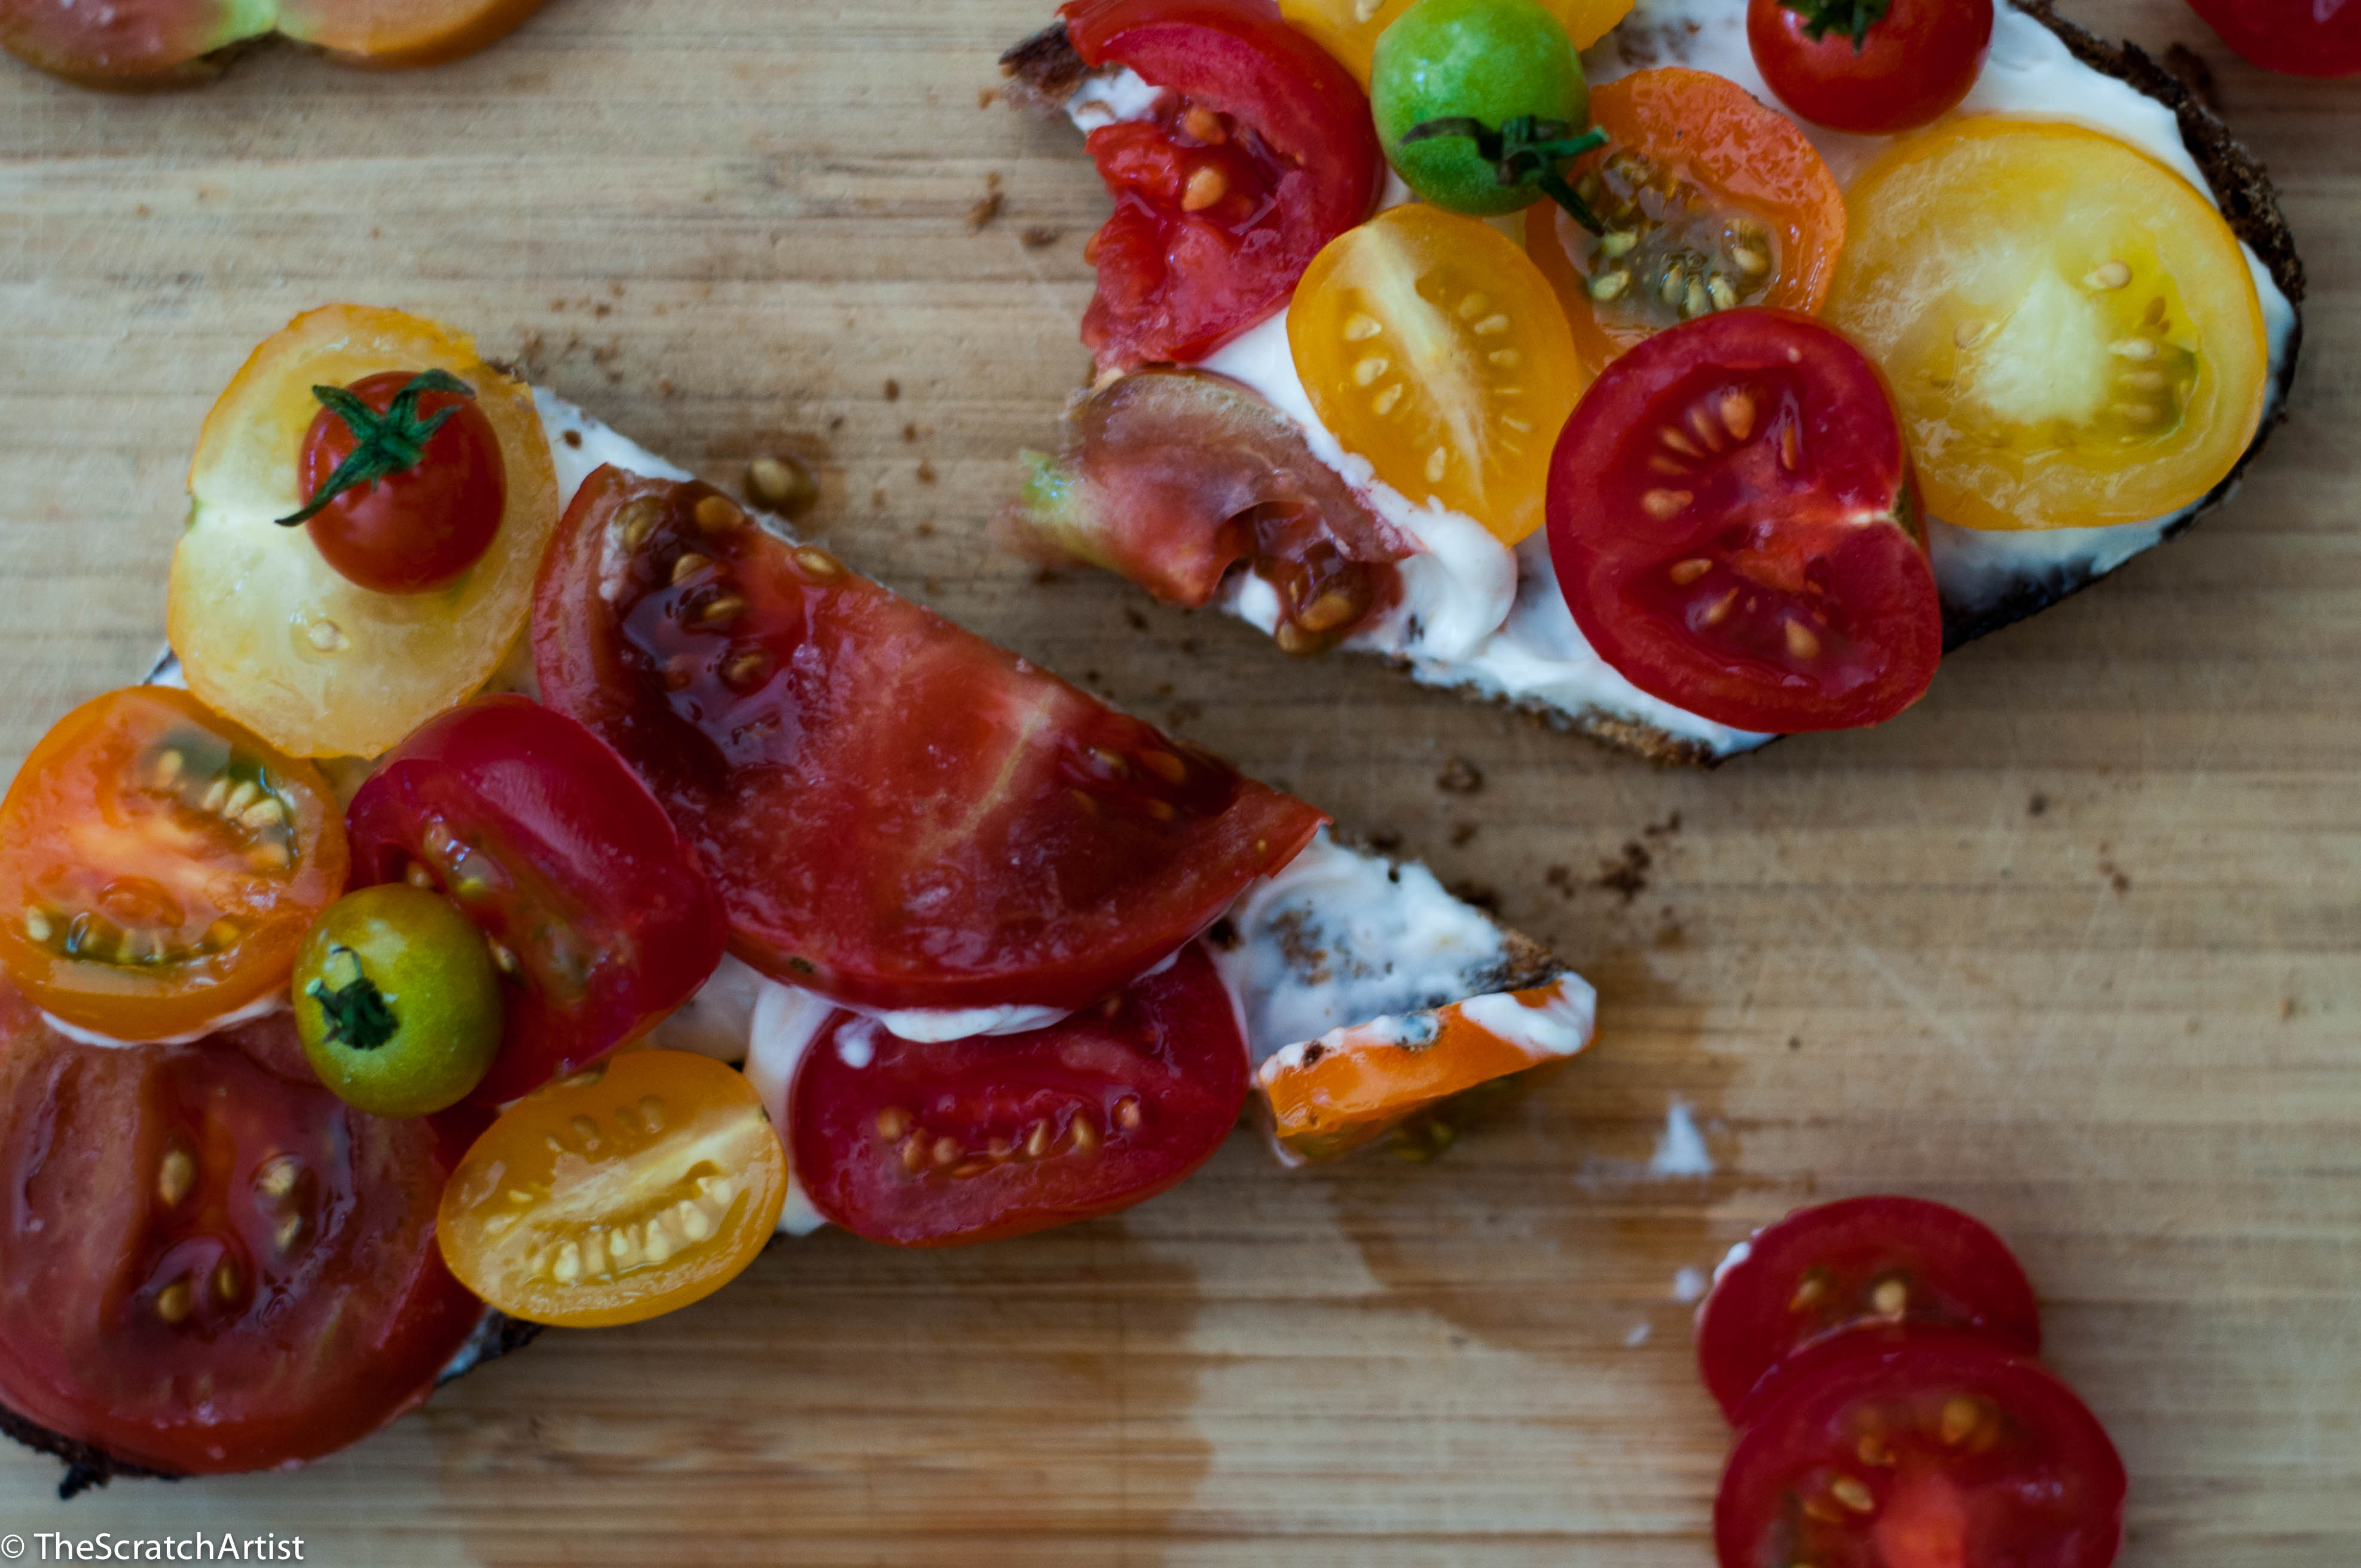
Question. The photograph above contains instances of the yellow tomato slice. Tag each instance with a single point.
(624, 1192)
(2072, 333)
(1347, 1088)
(274, 637)
(396, 33)
(1432, 346)
(1348, 29)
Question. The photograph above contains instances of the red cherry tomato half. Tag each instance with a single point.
(2302, 38)
(204, 1267)
(1260, 153)
(553, 847)
(1823, 1271)
(1922, 1448)
(894, 812)
(1912, 67)
(1735, 528)
(974, 1140)
(421, 527)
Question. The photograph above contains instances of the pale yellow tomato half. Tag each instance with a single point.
(1348, 29)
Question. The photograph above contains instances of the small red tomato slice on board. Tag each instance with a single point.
(974, 1140)
(1260, 152)
(544, 838)
(204, 1267)
(1836, 1266)
(895, 812)
(1921, 1448)
(1735, 528)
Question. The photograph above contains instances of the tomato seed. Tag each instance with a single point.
(173, 1301)
(2112, 275)
(176, 1175)
(818, 563)
(1892, 1296)
(1852, 1493)
(1960, 1418)
(1801, 642)
(688, 565)
(719, 514)
(229, 1284)
(1206, 186)
(1665, 505)
(892, 1123)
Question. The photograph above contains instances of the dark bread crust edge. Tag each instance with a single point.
(1044, 69)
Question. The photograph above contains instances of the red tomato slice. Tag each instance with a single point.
(204, 1267)
(895, 812)
(1735, 527)
(1823, 1271)
(2302, 38)
(978, 1139)
(1918, 59)
(1922, 1448)
(1261, 151)
(543, 837)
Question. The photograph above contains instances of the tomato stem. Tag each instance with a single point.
(1853, 18)
(386, 444)
(357, 1011)
(1527, 150)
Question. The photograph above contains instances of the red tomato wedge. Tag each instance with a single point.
(1260, 152)
(543, 837)
(1922, 1448)
(1735, 527)
(2301, 37)
(1878, 1260)
(204, 1267)
(895, 812)
(979, 1139)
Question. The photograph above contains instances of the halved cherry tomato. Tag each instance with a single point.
(204, 1267)
(159, 865)
(1826, 1269)
(2072, 333)
(628, 1191)
(894, 812)
(1349, 30)
(1172, 478)
(603, 920)
(1259, 152)
(1735, 529)
(276, 638)
(1330, 1096)
(1712, 201)
(154, 43)
(1430, 346)
(422, 504)
(2302, 38)
(1870, 67)
(1921, 1448)
(979, 1139)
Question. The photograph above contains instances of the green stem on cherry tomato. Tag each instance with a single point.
(386, 444)
(357, 1011)
(1527, 150)
(1853, 19)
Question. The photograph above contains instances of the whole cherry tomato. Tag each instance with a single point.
(1870, 67)
(404, 481)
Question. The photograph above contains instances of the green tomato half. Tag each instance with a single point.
(396, 1001)
(1491, 59)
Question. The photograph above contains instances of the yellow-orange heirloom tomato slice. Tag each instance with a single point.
(622, 1193)
(2073, 335)
(274, 637)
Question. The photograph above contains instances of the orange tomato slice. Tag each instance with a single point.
(160, 866)
(1429, 345)
(1349, 30)
(622, 1193)
(398, 33)
(1344, 1090)
(273, 636)
(1712, 201)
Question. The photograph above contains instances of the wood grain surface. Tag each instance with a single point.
(2075, 944)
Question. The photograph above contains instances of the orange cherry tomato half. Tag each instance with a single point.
(1711, 200)
(159, 865)
(619, 1194)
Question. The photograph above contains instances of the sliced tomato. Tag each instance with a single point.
(894, 812)
(206, 1267)
(1921, 1448)
(159, 865)
(1712, 202)
(1349, 30)
(1735, 528)
(1171, 478)
(2302, 38)
(151, 43)
(978, 1139)
(602, 919)
(1259, 152)
(1836, 1266)
(1909, 64)
(617, 1195)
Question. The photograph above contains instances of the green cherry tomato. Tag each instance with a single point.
(396, 1001)
(1494, 61)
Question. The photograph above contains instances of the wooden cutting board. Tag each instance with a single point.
(2075, 944)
